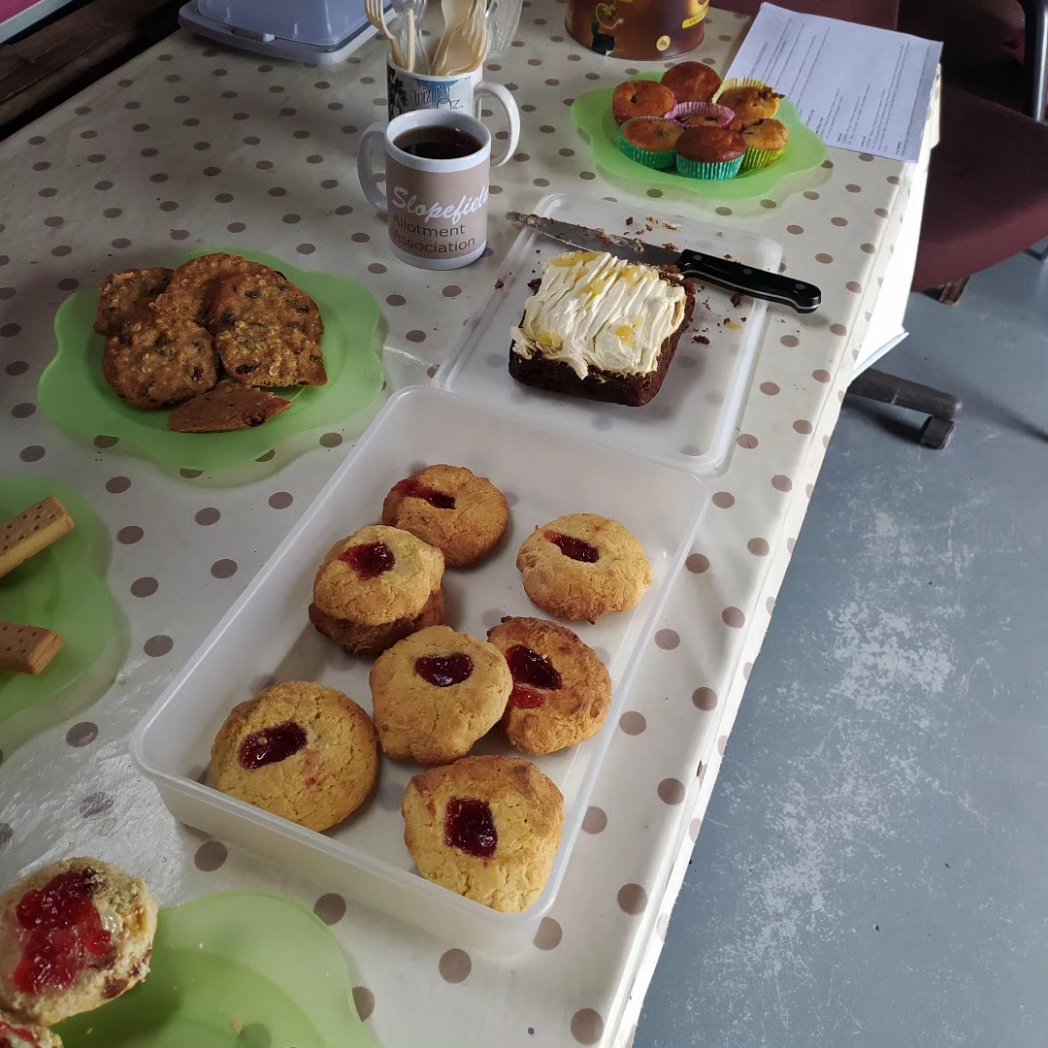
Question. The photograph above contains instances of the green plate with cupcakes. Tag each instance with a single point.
(644, 150)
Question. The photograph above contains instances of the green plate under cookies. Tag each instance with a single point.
(593, 117)
(63, 588)
(74, 395)
(236, 970)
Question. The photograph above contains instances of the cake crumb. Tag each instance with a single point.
(671, 247)
(500, 284)
(629, 220)
(702, 340)
(736, 299)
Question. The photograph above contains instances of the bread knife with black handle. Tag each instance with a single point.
(725, 272)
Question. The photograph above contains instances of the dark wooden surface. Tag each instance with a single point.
(62, 57)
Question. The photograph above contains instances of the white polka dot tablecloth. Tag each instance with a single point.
(189, 146)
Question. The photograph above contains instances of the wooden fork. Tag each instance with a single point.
(377, 17)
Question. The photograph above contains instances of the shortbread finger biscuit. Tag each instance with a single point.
(27, 649)
(33, 530)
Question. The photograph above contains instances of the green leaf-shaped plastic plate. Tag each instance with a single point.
(62, 588)
(75, 396)
(236, 970)
(592, 115)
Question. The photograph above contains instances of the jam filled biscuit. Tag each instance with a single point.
(299, 750)
(485, 827)
(193, 285)
(450, 507)
(16, 1033)
(159, 362)
(376, 587)
(561, 690)
(582, 566)
(73, 935)
(124, 297)
(435, 693)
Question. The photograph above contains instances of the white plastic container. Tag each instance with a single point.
(691, 422)
(266, 636)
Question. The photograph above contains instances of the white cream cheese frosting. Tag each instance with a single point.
(593, 310)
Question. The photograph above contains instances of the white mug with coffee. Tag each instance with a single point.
(407, 91)
(436, 188)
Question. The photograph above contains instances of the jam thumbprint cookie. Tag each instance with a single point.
(299, 750)
(450, 507)
(15, 1033)
(561, 690)
(377, 587)
(73, 936)
(582, 566)
(435, 693)
(485, 827)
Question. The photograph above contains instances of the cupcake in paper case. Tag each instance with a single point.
(712, 153)
(766, 143)
(702, 114)
(650, 140)
(752, 100)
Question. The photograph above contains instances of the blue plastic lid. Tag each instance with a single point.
(316, 23)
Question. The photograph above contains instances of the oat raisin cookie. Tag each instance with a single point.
(193, 285)
(73, 936)
(124, 297)
(226, 407)
(582, 566)
(375, 587)
(450, 507)
(267, 331)
(16, 1033)
(299, 750)
(160, 362)
(435, 693)
(561, 689)
(485, 827)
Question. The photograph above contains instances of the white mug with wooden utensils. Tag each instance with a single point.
(724, 272)
(436, 188)
(407, 91)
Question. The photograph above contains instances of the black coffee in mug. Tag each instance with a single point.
(439, 142)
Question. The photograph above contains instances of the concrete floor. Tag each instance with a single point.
(873, 867)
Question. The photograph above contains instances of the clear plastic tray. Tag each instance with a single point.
(266, 636)
(691, 423)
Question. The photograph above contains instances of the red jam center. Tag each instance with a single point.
(65, 933)
(7, 1031)
(271, 745)
(529, 667)
(577, 549)
(369, 560)
(444, 670)
(470, 827)
(524, 698)
(412, 489)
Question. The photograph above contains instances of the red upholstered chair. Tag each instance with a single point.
(977, 211)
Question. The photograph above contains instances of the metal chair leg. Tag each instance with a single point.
(941, 407)
(1036, 57)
